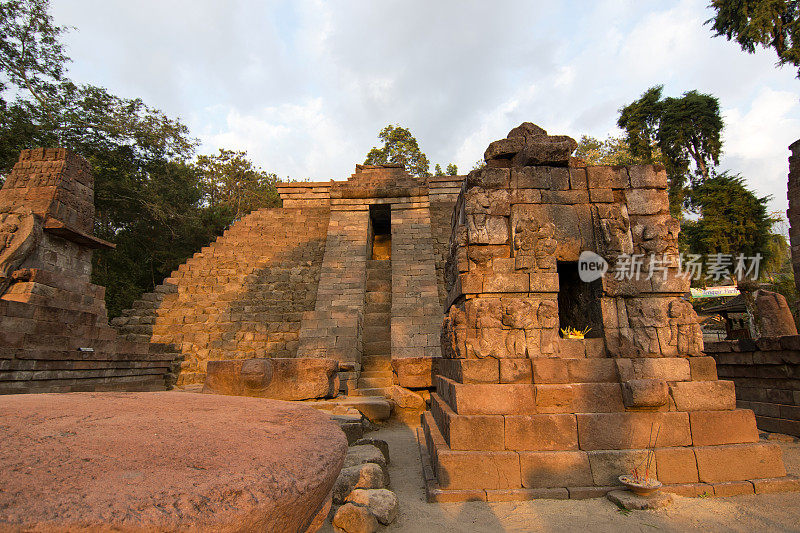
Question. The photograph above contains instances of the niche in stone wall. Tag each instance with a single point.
(380, 216)
(578, 301)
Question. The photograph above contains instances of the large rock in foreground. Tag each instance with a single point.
(164, 461)
(303, 378)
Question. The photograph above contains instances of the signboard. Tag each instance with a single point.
(715, 292)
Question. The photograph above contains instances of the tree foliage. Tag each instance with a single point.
(732, 219)
(609, 151)
(686, 131)
(399, 147)
(150, 199)
(231, 181)
(766, 23)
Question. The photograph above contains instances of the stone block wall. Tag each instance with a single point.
(241, 297)
(521, 412)
(766, 373)
(333, 328)
(416, 313)
(793, 194)
(54, 333)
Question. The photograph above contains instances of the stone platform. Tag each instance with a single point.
(164, 461)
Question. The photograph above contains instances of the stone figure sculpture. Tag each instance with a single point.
(685, 332)
(20, 231)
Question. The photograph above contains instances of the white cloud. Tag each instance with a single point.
(306, 85)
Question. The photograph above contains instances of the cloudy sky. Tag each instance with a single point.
(305, 86)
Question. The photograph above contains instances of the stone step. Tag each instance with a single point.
(378, 297)
(373, 333)
(378, 263)
(379, 275)
(368, 383)
(377, 319)
(377, 348)
(376, 362)
(376, 408)
(376, 374)
(370, 308)
(379, 285)
(377, 391)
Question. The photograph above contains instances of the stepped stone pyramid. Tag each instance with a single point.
(348, 270)
(520, 412)
(54, 332)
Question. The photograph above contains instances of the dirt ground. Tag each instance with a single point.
(757, 513)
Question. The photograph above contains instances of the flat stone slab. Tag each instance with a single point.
(301, 378)
(164, 461)
(634, 502)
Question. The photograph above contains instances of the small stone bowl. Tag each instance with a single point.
(640, 487)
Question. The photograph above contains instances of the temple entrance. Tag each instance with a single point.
(380, 216)
(578, 301)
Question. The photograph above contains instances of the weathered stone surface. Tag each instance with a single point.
(676, 465)
(541, 432)
(773, 314)
(645, 393)
(633, 502)
(619, 431)
(378, 443)
(555, 469)
(279, 379)
(382, 503)
(528, 144)
(205, 462)
(737, 462)
(723, 427)
(406, 399)
(375, 408)
(351, 518)
(703, 395)
(364, 453)
(363, 476)
(414, 372)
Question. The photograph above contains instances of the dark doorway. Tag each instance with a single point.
(578, 301)
(380, 216)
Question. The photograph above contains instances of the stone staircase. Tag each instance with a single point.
(376, 360)
(240, 297)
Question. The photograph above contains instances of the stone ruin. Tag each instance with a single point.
(343, 289)
(521, 412)
(54, 332)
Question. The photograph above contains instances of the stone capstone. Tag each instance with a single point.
(530, 145)
(164, 461)
(382, 503)
(278, 378)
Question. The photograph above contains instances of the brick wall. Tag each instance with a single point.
(766, 373)
(241, 297)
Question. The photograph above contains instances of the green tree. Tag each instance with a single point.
(437, 170)
(148, 198)
(732, 220)
(686, 131)
(766, 23)
(230, 181)
(610, 151)
(452, 169)
(399, 147)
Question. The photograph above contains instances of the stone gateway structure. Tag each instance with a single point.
(520, 411)
(54, 332)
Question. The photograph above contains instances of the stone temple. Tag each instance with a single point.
(459, 289)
